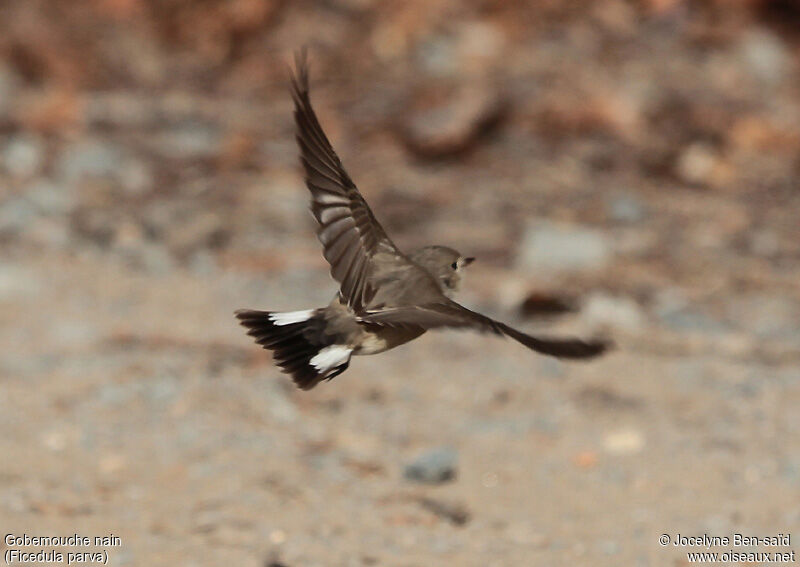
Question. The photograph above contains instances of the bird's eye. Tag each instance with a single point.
(454, 265)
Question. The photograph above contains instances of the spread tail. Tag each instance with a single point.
(298, 344)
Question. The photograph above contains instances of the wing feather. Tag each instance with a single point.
(348, 230)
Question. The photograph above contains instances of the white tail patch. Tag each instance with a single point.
(290, 317)
(330, 357)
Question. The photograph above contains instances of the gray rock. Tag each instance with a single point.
(766, 56)
(49, 232)
(88, 159)
(554, 247)
(764, 242)
(16, 282)
(23, 156)
(193, 141)
(454, 512)
(197, 232)
(154, 258)
(688, 320)
(676, 313)
(50, 199)
(442, 124)
(16, 215)
(616, 312)
(135, 177)
(626, 208)
(435, 466)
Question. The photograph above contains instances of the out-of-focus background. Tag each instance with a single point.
(617, 167)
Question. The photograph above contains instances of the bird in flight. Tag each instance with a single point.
(386, 297)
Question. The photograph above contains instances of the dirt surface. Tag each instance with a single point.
(634, 164)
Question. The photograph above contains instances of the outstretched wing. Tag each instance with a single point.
(348, 230)
(447, 313)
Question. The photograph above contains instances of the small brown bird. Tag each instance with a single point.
(386, 298)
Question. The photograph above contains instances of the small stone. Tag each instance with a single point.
(128, 235)
(450, 121)
(454, 512)
(480, 40)
(23, 156)
(765, 243)
(135, 177)
(199, 231)
(433, 467)
(48, 233)
(277, 537)
(624, 442)
(154, 258)
(55, 440)
(677, 313)
(616, 312)
(17, 282)
(16, 214)
(90, 159)
(554, 247)
(696, 163)
(193, 141)
(112, 464)
(49, 198)
(693, 321)
(626, 209)
(766, 56)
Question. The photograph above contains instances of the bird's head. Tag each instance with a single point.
(444, 264)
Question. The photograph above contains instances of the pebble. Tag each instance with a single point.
(435, 466)
(22, 157)
(454, 512)
(135, 177)
(626, 208)
(17, 282)
(766, 56)
(193, 141)
(49, 198)
(552, 247)
(444, 124)
(624, 442)
(689, 320)
(615, 312)
(696, 163)
(16, 215)
(89, 159)
(677, 313)
(197, 232)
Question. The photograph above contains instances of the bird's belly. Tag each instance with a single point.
(380, 339)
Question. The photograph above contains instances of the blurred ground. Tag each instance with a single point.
(637, 159)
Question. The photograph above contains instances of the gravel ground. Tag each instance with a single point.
(633, 165)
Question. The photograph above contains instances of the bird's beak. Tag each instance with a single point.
(468, 261)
